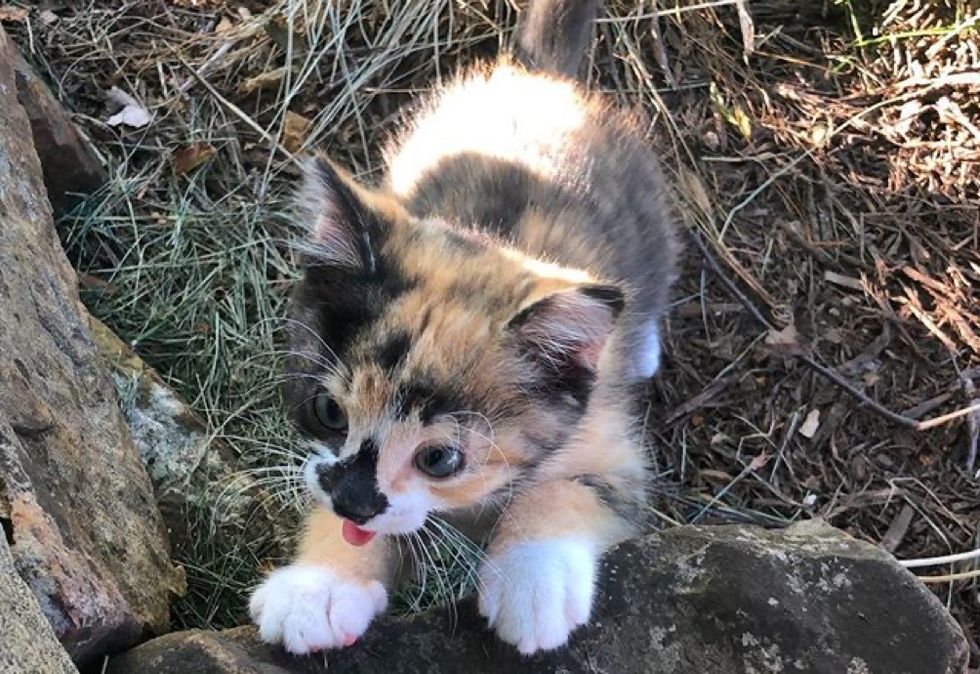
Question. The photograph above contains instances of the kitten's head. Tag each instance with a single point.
(431, 367)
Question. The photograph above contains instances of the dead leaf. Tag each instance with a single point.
(132, 114)
(12, 13)
(48, 17)
(294, 132)
(224, 25)
(90, 282)
(262, 81)
(191, 157)
(695, 188)
(810, 425)
(785, 342)
(747, 27)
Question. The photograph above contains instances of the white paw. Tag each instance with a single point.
(311, 608)
(535, 593)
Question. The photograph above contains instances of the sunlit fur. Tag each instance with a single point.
(501, 291)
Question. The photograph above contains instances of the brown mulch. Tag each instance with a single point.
(827, 165)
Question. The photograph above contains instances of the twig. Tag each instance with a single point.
(937, 561)
(753, 465)
(674, 11)
(660, 53)
(762, 187)
(950, 577)
(835, 377)
(238, 112)
(940, 420)
(821, 369)
(972, 423)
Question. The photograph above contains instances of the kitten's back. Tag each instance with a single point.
(526, 154)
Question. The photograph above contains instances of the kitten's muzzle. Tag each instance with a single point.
(353, 490)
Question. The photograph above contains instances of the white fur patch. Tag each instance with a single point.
(310, 608)
(521, 117)
(535, 593)
(312, 478)
(648, 359)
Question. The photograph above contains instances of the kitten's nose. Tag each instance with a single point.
(353, 486)
(356, 508)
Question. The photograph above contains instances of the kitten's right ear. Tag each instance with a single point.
(569, 327)
(342, 228)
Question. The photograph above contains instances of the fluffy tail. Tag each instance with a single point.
(554, 35)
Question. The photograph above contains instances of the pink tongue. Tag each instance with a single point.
(355, 535)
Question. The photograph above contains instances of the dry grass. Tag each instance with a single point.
(826, 157)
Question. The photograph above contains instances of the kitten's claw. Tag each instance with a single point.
(310, 608)
(535, 593)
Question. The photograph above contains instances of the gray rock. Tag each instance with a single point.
(194, 475)
(27, 642)
(692, 600)
(70, 166)
(75, 501)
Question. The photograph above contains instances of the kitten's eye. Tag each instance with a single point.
(329, 414)
(439, 460)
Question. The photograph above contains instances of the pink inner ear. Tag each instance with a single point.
(588, 355)
(570, 325)
(323, 203)
(333, 238)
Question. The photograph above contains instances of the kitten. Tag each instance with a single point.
(469, 340)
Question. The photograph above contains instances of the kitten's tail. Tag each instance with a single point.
(554, 35)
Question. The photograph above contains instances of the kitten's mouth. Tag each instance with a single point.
(355, 535)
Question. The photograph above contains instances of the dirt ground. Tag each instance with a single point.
(823, 352)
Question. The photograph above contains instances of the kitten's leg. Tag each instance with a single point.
(538, 583)
(327, 597)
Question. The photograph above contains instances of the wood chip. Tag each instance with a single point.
(897, 529)
(845, 281)
(810, 425)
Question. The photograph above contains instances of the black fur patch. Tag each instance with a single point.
(611, 296)
(394, 350)
(353, 485)
(425, 397)
(464, 243)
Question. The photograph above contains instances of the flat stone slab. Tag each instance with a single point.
(692, 600)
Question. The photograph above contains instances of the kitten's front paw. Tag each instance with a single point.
(535, 593)
(310, 608)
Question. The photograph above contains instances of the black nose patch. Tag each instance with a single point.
(353, 485)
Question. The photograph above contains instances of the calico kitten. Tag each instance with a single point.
(469, 340)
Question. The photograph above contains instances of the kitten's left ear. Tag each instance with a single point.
(570, 326)
(343, 229)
